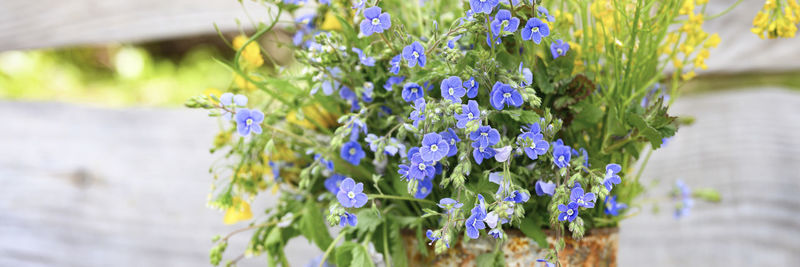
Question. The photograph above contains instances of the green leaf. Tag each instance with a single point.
(586, 115)
(485, 259)
(360, 257)
(396, 245)
(541, 78)
(367, 221)
(651, 134)
(344, 253)
(531, 227)
(523, 116)
(313, 225)
(274, 237)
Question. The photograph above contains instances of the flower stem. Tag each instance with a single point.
(330, 248)
(400, 198)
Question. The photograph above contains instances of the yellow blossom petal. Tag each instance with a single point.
(239, 211)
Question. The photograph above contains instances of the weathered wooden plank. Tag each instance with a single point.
(29, 24)
(97, 187)
(745, 144)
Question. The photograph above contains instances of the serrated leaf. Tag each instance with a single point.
(651, 134)
(541, 78)
(313, 226)
(344, 253)
(367, 220)
(360, 257)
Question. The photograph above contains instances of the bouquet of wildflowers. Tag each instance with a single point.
(452, 119)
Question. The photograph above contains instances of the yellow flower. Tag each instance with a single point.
(251, 54)
(677, 63)
(700, 60)
(761, 20)
(712, 41)
(786, 28)
(243, 83)
(212, 91)
(238, 211)
(688, 76)
(330, 23)
(770, 4)
(687, 7)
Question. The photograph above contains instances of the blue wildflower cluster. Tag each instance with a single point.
(502, 116)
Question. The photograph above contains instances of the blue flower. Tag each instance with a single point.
(612, 207)
(352, 152)
(546, 13)
(611, 178)
(395, 64)
(479, 153)
(333, 183)
(495, 233)
(415, 54)
(419, 111)
(424, 188)
(475, 220)
(583, 200)
(684, 193)
(403, 171)
(545, 188)
(351, 194)
(248, 121)
(347, 94)
(546, 263)
(452, 139)
(231, 100)
(348, 218)
(452, 42)
(505, 95)
(534, 30)
(392, 81)
(359, 6)
(452, 89)
(375, 21)
(483, 6)
(356, 128)
(431, 236)
(327, 163)
(472, 87)
(369, 89)
(489, 37)
(420, 169)
(470, 112)
(517, 197)
(412, 91)
(559, 48)
(394, 146)
(433, 147)
(527, 75)
(504, 22)
(561, 155)
(486, 136)
(449, 204)
(373, 141)
(364, 59)
(533, 144)
(569, 212)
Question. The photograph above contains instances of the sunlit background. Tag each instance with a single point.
(100, 165)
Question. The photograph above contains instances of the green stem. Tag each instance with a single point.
(401, 198)
(330, 248)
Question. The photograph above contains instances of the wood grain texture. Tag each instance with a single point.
(29, 24)
(97, 187)
(745, 144)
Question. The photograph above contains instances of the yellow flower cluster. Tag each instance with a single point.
(690, 44)
(778, 18)
(250, 59)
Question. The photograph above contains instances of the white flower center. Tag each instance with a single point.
(569, 212)
(484, 134)
(450, 91)
(434, 148)
(559, 51)
(352, 151)
(249, 121)
(535, 29)
(533, 144)
(452, 141)
(561, 158)
(416, 55)
(480, 149)
(351, 194)
(376, 21)
(414, 90)
(470, 116)
(472, 83)
(421, 166)
(423, 190)
(506, 95)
